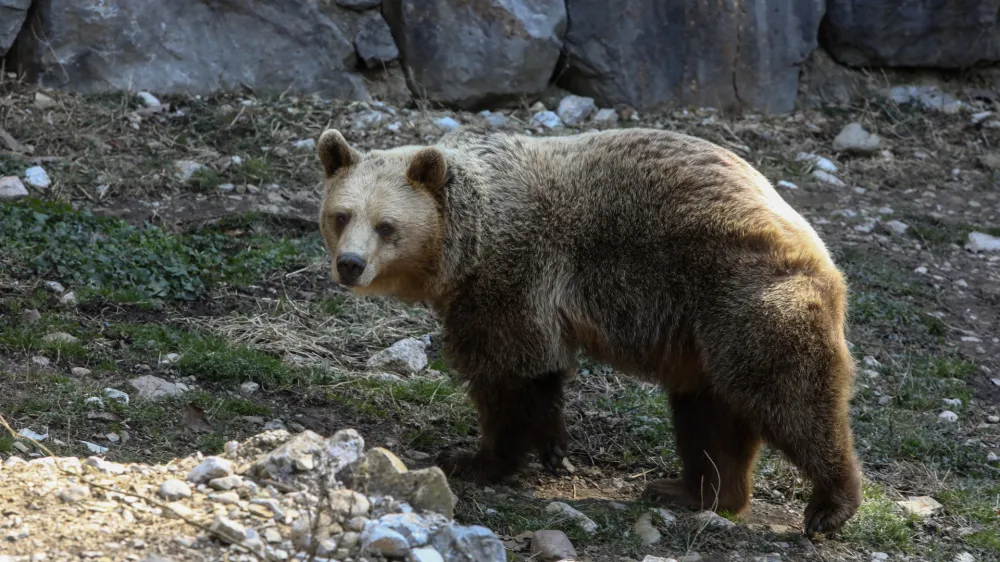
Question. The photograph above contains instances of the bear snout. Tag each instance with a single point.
(350, 266)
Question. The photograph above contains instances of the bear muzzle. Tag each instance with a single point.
(350, 266)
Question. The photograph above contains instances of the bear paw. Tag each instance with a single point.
(828, 514)
(671, 491)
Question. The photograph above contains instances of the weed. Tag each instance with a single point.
(879, 525)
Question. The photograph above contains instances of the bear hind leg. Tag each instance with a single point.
(515, 417)
(717, 450)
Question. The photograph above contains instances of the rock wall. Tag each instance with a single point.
(472, 54)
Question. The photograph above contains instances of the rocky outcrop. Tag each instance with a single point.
(469, 54)
(12, 14)
(278, 495)
(200, 47)
(665, 52)
(953, 34)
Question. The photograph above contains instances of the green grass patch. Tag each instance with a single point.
(879, 524)
(110, 256)
(214, 360)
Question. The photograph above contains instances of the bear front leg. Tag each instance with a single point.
(515, 416)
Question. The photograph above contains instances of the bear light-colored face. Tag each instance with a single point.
(380, 216)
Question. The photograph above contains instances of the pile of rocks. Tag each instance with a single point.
(276, 496)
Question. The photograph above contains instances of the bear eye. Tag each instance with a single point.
(385, 230)
(341, 220)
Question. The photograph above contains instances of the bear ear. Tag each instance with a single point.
(429, 169)
(335, 153)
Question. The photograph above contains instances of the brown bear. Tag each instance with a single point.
(661, 254)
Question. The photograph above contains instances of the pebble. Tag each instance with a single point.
(853, 138)
(104, 466)
(447, 123)
(68, 299)
(43, 101)
(209, 469)
(651, 558)
(565, 510)
(551, 546)
(921, 506)
(116, 395)
(981, 116)
(993, 419)
(41, 361)
(982, 242)
(405, 357)
(184, 170)
(34, 436)
(55, 287)
(249, 387)
(573, 110)
(174, 489)
(37, 177)
(821, 163)
(645, 530)
(545, 119)
(425, 554)
(74, 494)
(148, 99)
(80, 372)
(897, 226)
(787, 184)
(94, 448)
(60, 337)
(712, 519)
(964, 557)
(828, 178)
(225, 498)
(367, 119)
(606, 115)
(305, 144)
(992, 457)
(385, 542)
(953, 402)
(948, 416)
(154, 388)
(11, 188)
(228, 530)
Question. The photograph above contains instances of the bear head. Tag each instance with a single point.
(381, 216)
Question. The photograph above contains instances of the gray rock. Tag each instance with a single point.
(445, 124)
(69, 299)
(912, 34)
(920, 506)
(853, 138)
(185, 170)
(37, 177)
(546, 119)
(551, 546)
(651, 558)
(60, 337)
(820, 162)
(33, 435)
(359, 5)
(174, 489)
(469, 54)
(473, 542)
(348, 503)
(374, 42)
(12, 15)
(384, 542)
(666, 52)
(148, 99)
(199, 48)
(367, 119)
(897, 226)
(982, 242)
(154, 388)
(74, 494)
(424, 554)
(569, 512)
(249, 387)
(711, 519)
(828, 178)
(405, 357)
(226, 483)
(344, 448)
(574, 110)
(55, 287)
(11, 187)
(645, 530)
(29, 317)
(299, 454)
(116, 395)
(948, 416)
(104, 466)
(606, 115)
(210, 469)
(411, 526)
(928, 97)
(381, 472)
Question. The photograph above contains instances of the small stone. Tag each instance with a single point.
(787, 184)
(494, 118)
(982, 242)
(385, 542)
(11, 187)
(563, 509)
(154, 388)
(227, 187)
(992, 457)
(867, 226)
(80, 372)
(295, 455)
(981, 116)
(34, 436)
(897, 227)
(41, 361)
(424, 554)
(993, 419)
(69, 299)
(305, 144)
(920, 270)
(551, 546)
(37, 177)
(651, 558)
(209, 469)
(821, 163)
(405, 357)
(226, 482)
(170, 359)
(879, 556)
(367, 119)
(948, 416)
(116, 395)
(74, 494)
(953, 402)
(545, 119)
(645, 530)
(990, 161)
(60, 337)
(828, 178)
(43, 101)
(274, 425)
(228, 530)
(374, 43)
(177, 509)
(964, 557)
(606, 115)
(225, 498)
(174, 489)
(272, 535)
(447, 123)
(249, 387)
(55, 287)
(104, 466)
(574, 110)
(853, 138)
(184, 170)
(348, 503)
(921, 506)
(148, 99)
(712, 519)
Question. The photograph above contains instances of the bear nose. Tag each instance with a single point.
(350, 266)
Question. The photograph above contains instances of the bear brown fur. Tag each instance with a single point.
(663, 255)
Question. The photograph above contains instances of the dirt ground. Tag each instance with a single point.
(219, 279)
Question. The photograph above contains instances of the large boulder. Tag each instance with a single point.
(656, 53)
(920, 33)
(12, 14)
(193, 47)
(468, 54)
